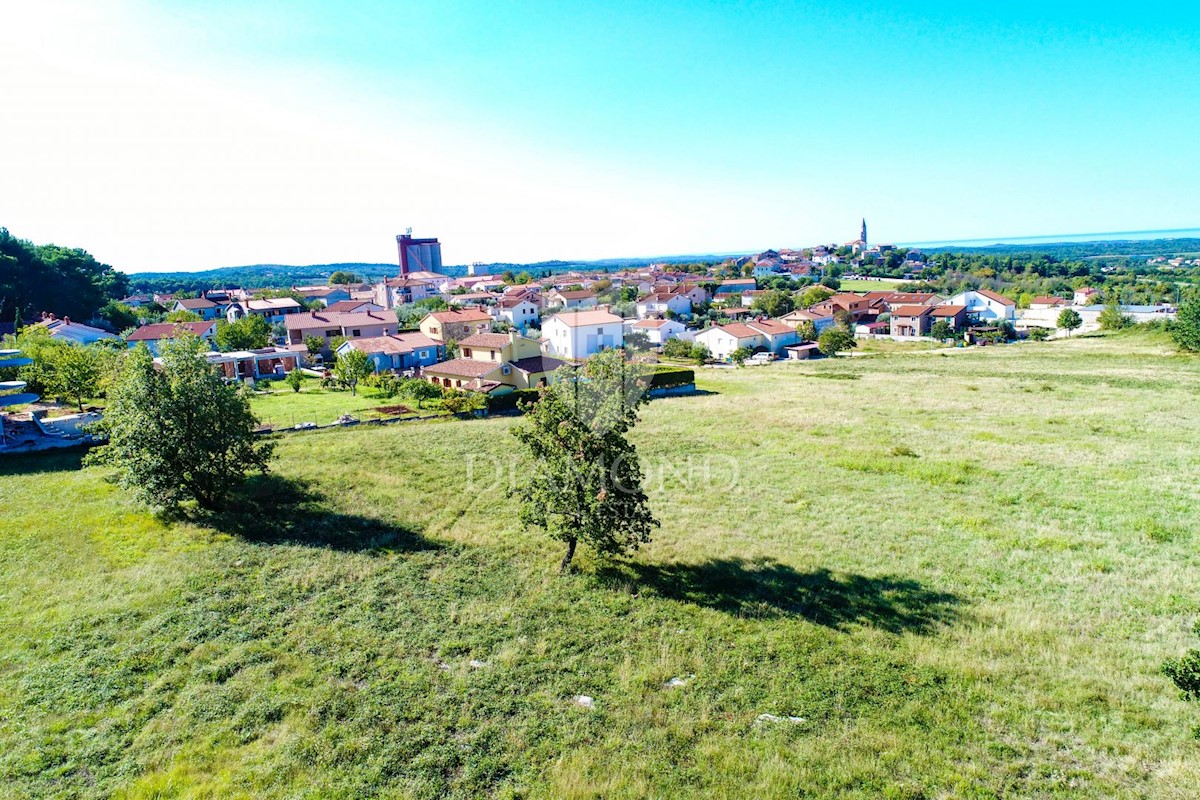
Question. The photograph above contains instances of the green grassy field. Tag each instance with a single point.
(959, 571)
(881, 285)
(280, 407)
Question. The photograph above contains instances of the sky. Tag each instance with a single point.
(190, 135)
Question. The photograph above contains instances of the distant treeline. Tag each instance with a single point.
(1066, 251)
(46, 277)
(260, 276)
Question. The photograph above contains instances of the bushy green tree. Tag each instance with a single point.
(1069, 319)
(351, 367)
(700, 354)
(342, 277)
(1186, 328)
(314, 345)
(1111, 318)
(814, 295)
(941, 330)
(419, 391)
(179, 433)
(118, 315)
(182, 315)
(1184, 672)
(248, 333)
(76, 372)
(774, 303)
(834, 340)
(295, 379)
(677, 348)
(585, 480)
(740, 355)
(458, 401)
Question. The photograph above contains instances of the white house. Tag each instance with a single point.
(985, 305)
(770, 335)
(659, 330)
(272, 309)
(520, 312)
(657, 304)
(579, 334)
(573, 299)
(70, 331)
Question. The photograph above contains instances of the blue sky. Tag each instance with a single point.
(189, 135)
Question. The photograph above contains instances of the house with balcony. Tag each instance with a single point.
(985, 305)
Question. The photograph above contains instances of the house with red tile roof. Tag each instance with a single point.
(495, 363)
(329, 325)
(398, 352)
(765, 335)
(155, 334)
(453, 326)
(910, 321)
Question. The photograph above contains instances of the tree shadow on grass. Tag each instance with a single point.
(33, 463)
(272, 509)
(768, 589)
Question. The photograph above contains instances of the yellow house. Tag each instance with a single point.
(495, 363)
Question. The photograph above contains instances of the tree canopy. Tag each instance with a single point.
(66, 281)
(585, 480)
(179, 433)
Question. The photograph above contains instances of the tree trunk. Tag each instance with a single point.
(570, 554)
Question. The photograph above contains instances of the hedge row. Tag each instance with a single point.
(664, 377)
(508, 402)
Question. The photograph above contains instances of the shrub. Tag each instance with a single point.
(1186, 330)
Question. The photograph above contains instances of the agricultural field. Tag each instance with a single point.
(939, 574)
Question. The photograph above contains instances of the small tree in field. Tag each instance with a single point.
(740, 355)
(1069, 320)
(295, 379)
(585, 482)
(1111, 318)
(1186, 328)
(834, 340)
(352, 366)
(700, 354)
(419, 391)
(179, 433)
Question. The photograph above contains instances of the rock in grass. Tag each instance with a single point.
(774, 718)
(583, 701)
(675, 682)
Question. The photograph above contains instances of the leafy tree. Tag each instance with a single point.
(179, 433)
(314, 345)
(677, 348)
(775, 303)
(637, 340)
(941, 330)
(352, 366)
(248, 333)
(295, 379)
(1186, 329)
(1039, 334)
(832, 281)
(814, 295)
(1069, 319)
(807, 331)
(182, 315)
(419, 391)
(342, 277)
(740, 355)
(457, 401)
(67, 281)
(585, 482)
(118, 315)
(76, 372)
(1111, 318)
(700, 354)
(834, 340)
